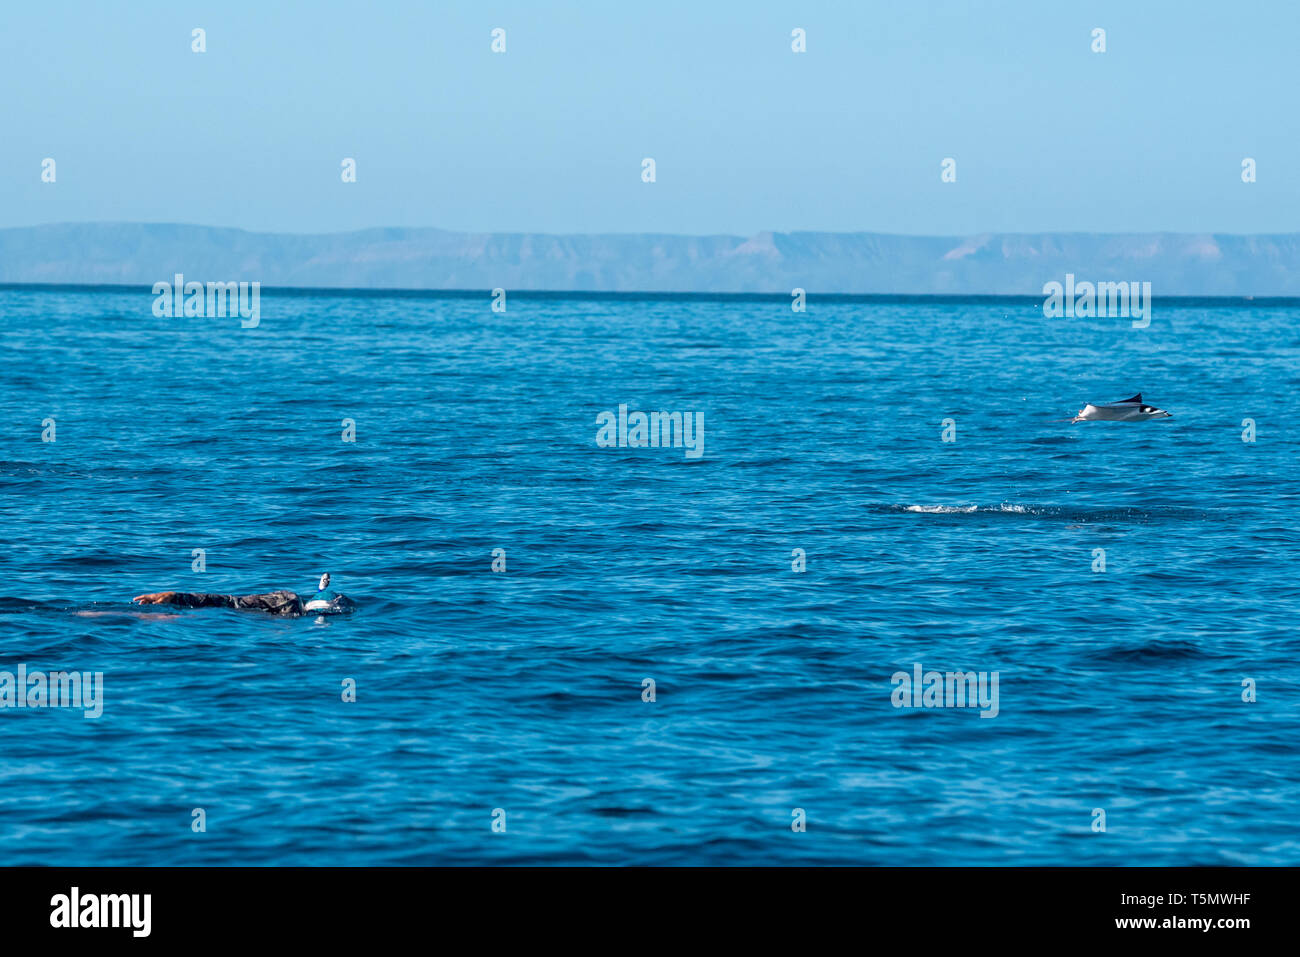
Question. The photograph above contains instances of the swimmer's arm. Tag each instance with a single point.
(186, 599)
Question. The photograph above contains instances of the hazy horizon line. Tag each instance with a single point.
(371, 292)
(742, 235)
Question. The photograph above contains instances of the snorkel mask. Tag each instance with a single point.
(326, 601)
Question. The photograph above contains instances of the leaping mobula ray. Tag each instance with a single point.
(1128, 410)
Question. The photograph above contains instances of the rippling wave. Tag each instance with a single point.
(1136, 514)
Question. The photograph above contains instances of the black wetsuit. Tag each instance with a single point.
(284, 603)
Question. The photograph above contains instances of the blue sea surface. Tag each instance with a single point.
(521, 691)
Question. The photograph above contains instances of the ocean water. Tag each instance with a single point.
(481, 692)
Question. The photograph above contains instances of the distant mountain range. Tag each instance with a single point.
(996, 263)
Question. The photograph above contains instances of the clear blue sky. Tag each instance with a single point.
(747, 135)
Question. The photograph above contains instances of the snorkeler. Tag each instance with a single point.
(326, 601)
